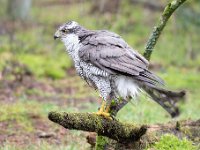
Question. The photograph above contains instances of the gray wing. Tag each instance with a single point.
(111, 53)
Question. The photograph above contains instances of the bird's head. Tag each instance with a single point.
(69, 28)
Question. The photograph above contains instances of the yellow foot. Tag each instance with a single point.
(104, 114)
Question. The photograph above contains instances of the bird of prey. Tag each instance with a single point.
(107, 63)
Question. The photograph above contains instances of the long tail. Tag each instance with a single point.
(166, 98)
(154, 86)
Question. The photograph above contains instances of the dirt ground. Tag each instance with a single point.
(59, 93)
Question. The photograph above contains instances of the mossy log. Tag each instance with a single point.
(111, 128)
(124, 135)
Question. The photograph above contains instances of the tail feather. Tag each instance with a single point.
(166, 98)
(153, 85)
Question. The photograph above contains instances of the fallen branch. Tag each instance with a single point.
(125, 135)
(104, 127)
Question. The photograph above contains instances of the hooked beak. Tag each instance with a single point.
(56, 35)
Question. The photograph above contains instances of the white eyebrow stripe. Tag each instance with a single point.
(72, 25)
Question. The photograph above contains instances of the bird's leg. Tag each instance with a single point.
(102, 106)
(102, 111)
(107, 108)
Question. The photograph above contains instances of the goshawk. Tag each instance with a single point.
(107, 63)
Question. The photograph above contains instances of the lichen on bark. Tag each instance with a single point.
(117, 135)
(112, 128)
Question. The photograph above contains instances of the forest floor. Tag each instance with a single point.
(25, 105)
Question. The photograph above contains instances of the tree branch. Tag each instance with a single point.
(104, 127)
(123, 134)
(157, 30)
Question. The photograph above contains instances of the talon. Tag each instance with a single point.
(104, 112)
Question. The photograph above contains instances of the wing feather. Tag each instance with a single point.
(111, 53)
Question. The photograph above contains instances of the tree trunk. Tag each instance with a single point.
(18, 9)
(105, 6)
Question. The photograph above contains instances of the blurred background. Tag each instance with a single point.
(37, 76)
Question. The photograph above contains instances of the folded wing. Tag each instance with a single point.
(111, 53)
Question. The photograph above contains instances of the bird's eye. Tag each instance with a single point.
(64, 30)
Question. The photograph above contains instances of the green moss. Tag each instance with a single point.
(186, 131)
(101, 142)
(169, 142)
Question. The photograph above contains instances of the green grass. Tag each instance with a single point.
(45, 65)
(169, 142)
(17, 113)
(45, 146)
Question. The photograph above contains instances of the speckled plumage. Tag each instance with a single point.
(107, 63)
